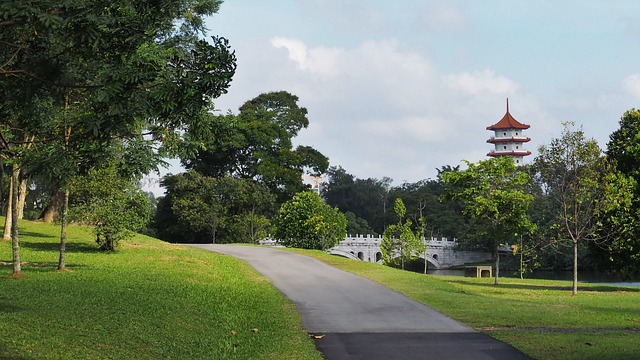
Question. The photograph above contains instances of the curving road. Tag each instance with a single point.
(361, 319)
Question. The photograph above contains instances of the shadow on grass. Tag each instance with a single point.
(38, 267)
(8, 308)
(71, 247)
(37, 235)
(6, 355)
(519, 286)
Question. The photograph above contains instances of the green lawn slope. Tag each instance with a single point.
(147, 300)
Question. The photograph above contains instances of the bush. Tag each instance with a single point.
(307, 222)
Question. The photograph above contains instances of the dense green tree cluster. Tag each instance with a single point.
(241, 167)
(77, 76)
(368, 203)
(204, 209)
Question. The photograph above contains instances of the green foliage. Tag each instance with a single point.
(307, 222)
(622, 254)
(422, 201)
(113, 205)
(257, 144)
(493, 193)
(204, 209)
(371, 200)
(105, 71)
(399, 242)
(584, 185)
(366, 198)
(356, 225)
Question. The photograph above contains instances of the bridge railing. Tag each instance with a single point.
(433, 241)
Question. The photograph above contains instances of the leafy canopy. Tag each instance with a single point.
(307, 222)
(257, 144)
(493, 192)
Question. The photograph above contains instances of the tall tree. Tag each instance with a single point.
(257, 144)
(493, 193)
(131, 66)
(623, 253)
(583, 184)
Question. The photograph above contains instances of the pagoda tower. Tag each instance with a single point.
(508, 138)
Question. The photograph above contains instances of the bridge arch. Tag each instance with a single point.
(433, 260)
(343, 254)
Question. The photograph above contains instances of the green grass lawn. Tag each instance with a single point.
(540, 317)
(147, 300)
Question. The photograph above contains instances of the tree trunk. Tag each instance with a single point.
(2, 186)
(574, 289)
(7, 221)
(15, 246)
(497, 272)
(63, 230)
(22, 198)
(52, 210)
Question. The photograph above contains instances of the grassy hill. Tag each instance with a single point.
(147, 300)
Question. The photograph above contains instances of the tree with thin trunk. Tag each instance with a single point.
(583, 183)
(493, 193)
(399, 242)
(6, 236)
(133, 68)
(15, 244)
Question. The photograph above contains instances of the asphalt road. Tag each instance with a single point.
(361, 319)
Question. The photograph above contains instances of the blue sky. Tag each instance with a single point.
(400, 88)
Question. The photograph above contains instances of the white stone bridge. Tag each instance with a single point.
(440, 253)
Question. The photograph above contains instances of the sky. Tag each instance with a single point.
(400, 88)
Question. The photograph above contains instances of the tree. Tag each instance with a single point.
(356, 225)
(113, 205)
(583, 184)
(257, 144)
(399, 242)
(623, 254)
(199, 208)
(421, 200)
(493, 193)
(366, 198)
(307, 222)
(116, 68)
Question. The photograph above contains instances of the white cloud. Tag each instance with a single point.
(480, 82)
(318, 61)
(632, 84)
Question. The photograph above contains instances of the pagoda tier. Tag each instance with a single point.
(508, 138)
(521, 139)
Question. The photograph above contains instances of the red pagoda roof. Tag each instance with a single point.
(508, 122)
